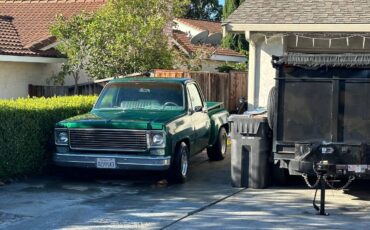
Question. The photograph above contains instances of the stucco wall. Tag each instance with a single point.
(261, 78)
(16, 76)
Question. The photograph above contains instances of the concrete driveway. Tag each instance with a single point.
(139, 200)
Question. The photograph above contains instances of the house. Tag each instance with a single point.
(190, 36)
(311, 32)
(27, 53)
(27, 49)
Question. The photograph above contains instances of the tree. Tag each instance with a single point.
(235, 42)
(125, 36)
(204, 10)
(74, 45)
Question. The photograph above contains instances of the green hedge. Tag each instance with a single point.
(26, 131)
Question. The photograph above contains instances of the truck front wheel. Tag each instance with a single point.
(218, 151)
(178, 170)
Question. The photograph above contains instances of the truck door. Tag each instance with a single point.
(199, 117)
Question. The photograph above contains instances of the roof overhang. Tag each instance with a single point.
(227, 58)
(52, 45)
(28, 59)
(242, 28)
(178, 45)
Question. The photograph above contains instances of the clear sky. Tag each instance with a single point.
(221, 1)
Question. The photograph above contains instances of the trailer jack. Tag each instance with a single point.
(322, 181)
(321, 173)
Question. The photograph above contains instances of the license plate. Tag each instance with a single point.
(357, 168)
(106, 163)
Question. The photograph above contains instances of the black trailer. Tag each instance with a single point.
(319, 112)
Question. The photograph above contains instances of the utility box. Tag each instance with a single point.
(250, 151)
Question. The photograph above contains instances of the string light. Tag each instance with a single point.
(329, 39)
(296, 40)
(363, 42)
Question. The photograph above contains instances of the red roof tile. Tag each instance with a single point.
(31, 21)
(211, 26)
(183, 39)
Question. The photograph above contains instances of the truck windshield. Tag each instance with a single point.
(142, 96)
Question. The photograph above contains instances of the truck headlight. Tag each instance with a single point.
(157, 139)
(61, 137)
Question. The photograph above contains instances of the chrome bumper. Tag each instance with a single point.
(122, 161)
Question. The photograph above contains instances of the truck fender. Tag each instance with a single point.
(175, 143)
(218, 120)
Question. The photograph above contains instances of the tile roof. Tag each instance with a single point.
(211, 26)
(183, 39)
(24, 25)
(302, 12)
(48, 1)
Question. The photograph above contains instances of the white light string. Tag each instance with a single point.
(314, 39)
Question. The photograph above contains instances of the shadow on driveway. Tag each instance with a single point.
(132, 200)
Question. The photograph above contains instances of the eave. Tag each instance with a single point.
(28, 59)
(242, 28)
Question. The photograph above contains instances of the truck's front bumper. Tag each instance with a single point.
(128, 162)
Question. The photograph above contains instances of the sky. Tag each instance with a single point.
(221, 1)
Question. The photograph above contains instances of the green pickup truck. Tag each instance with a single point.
(144, 124)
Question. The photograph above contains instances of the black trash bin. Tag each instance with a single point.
(250, 151)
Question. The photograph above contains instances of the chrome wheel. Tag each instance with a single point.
(223, 143)
(184, 162)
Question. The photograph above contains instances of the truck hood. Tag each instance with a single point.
(127, 119)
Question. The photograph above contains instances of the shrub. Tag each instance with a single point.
(227, 67)
(27, 131)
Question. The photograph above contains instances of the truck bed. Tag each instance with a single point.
(212, 105)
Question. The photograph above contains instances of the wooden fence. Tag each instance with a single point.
(224, 87)
(51, 91)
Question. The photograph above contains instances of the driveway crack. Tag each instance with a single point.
(202, 208)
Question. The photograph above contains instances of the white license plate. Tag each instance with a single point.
(106, 163)
(357, 168)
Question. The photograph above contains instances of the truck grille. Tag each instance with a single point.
(108, 140)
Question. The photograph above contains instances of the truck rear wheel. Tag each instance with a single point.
(218, 151)
(178, 171)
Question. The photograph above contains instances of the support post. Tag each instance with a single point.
(322, 197)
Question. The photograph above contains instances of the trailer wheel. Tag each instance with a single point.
(280, 176)
(218, 151)
(271, 107)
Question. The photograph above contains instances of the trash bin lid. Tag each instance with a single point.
(245, 125)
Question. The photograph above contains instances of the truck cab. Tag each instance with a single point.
(144, 124)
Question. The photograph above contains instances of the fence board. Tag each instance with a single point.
(51, 91)
(224, 87)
